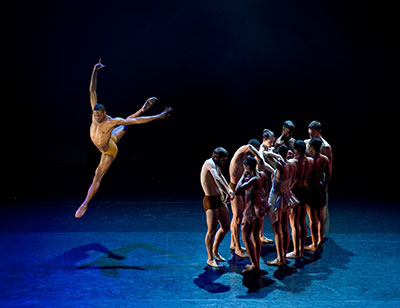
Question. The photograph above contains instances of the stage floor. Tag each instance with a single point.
(152, 254)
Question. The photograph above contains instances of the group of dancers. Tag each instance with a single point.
(285, 179)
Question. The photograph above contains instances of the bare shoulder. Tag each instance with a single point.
(325, 144)
(242, 149)
(111, 119)
(210, 164)
(116, 121)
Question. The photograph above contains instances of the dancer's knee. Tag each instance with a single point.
(225, 228)
(210, 234)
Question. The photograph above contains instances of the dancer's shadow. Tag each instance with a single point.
(70, 258)
(109, 262)
(110, 266)
(206, 280)
(315, 266)
(236, 263)
(256, 280)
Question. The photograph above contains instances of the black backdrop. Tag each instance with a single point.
(228, 68)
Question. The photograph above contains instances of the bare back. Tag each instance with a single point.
(236, 164)
(210, 187)
(320, 175)
(326, 150)
(303, 171)
(283, 176)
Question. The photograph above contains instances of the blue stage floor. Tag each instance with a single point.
(152, 254)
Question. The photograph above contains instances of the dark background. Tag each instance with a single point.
(228, 68)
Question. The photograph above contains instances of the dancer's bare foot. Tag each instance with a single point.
(275, 262)
(292, 255)
(319, 247)
(310, 247)
(249, 268)
(214, 263)
(81, 211)
(150, 102)
(218, 257)
(266, 240)
(241, 253)
(232, 247)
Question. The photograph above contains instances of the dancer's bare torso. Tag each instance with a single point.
(100, 133)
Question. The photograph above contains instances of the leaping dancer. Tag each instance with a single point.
(106, 132)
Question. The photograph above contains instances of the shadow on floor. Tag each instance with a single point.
(109, 263)
(315, 266)
(70, 258)
(294, 277)
(206, 280)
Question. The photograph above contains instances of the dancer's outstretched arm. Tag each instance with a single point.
(93, 84)
(142, 120)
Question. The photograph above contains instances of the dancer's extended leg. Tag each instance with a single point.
(104, 165)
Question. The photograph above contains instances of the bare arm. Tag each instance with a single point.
(243, 185)
(221, 182)
(327, 172)
(260, 159)
(327, 151)
(141, 120)
(272, 158)
(93, 84)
